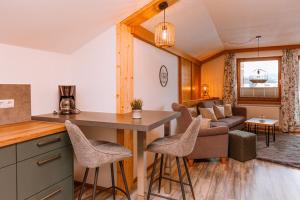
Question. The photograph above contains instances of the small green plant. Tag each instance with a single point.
(136, 104)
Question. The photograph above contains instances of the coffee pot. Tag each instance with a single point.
(67, 95)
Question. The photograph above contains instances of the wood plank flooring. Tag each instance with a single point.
(252, 180)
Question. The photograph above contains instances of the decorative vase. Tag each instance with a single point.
(136, 114)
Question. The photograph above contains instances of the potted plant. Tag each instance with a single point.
(136, 106)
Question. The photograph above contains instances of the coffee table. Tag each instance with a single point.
(268, 124)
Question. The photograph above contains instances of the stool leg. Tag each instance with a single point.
(113, 180)
(273, 133)
(180, 178)
(83, 183)
(160, 172)
(188, 176)
(95, 183)
(152, 176)
(124, 179)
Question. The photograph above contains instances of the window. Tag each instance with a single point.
(259, 80)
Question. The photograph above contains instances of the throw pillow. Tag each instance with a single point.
(193, 111)
(205, 123)
(208, 113)
(228, 110)
(219, 111)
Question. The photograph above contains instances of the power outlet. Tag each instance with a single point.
(7, 103)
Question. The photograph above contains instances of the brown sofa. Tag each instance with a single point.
(211, 142)
(236, 122)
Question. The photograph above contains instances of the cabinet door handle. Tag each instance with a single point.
(49, 141)
(42, 162)
(51, 194)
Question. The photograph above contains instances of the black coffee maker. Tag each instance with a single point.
(67, 95)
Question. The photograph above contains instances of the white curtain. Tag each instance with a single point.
(289, 112)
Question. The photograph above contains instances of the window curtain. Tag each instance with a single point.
(230, 79)
(289, 112)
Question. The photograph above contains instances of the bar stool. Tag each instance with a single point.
(180, 146)
(93, 154)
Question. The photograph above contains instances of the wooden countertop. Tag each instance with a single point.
(21, 132)
(150, 119)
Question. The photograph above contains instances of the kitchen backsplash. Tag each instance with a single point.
(15, 103)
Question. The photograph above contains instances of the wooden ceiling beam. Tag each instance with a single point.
(146, 13)
(147, 36)
(269, 48)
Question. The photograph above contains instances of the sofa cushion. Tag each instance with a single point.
(233, 121)
(218, 123)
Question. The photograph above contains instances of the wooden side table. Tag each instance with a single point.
(268, 124)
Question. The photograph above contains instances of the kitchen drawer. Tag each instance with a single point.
(41, 145)
(7, 155)
(60, 191)
(8, 185)
(38, 173)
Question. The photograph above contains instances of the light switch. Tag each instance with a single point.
(7, 103)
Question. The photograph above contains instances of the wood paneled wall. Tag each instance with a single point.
(189, 80)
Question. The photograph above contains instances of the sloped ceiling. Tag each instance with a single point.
(204, 27)
(60, 25)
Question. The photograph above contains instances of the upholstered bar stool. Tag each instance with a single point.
(179, 146)
(93, 154)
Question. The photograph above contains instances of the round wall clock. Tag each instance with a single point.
(163, 76)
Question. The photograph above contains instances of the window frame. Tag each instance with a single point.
(258, 100)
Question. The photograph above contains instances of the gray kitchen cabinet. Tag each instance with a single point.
(7, 155)
(8, 185)
(41, 145)
(38, 173)
(41, 168)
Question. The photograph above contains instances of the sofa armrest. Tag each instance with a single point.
(239, 111)
(221, 130)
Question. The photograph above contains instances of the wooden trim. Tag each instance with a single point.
(146, 13)
(148, 37)
(220, 53)
(258, 100)
(269, 48)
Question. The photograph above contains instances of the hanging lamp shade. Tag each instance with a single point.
(164, 34)
(164, 31)
(258, 76)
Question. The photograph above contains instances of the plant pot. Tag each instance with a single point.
(136, 114)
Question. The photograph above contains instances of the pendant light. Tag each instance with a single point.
(164, 31)
(258, 75)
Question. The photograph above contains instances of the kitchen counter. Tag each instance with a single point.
(21, 132)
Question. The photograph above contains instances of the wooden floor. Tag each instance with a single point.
(252, 180)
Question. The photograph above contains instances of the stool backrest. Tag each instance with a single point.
(84, 150)
(185, 118)
(188, 139)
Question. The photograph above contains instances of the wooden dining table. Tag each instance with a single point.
(149, 121)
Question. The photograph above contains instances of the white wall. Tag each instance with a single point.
(147, 63)
(91, 68)
(43, 70)
(94, 74)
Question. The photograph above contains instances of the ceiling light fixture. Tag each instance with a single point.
(258, 75)
(164, 31)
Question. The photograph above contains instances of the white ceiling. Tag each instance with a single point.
(204, 27)
(59, 25)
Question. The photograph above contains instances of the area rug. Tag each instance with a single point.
(285, 150)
